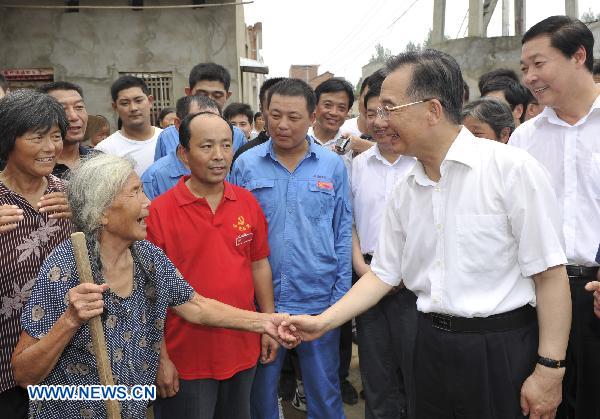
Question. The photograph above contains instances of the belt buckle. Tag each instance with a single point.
(441, 322)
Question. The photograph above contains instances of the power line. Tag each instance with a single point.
(356, 30)
(377, 37)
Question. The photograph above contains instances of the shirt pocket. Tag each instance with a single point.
(264, 192)
(319, 201)
(483, 242)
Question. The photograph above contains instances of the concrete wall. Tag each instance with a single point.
(91, 47)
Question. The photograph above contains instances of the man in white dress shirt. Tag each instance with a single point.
(473, 230)
(556, 61)
(385, 332)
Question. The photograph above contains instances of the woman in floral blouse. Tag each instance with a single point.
(134, 285)
(34, 216)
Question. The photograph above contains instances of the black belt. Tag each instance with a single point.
(496, 323)
(582, 271)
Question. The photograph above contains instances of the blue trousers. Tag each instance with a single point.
(319, 363)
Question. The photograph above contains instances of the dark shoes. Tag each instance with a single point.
(349, 394)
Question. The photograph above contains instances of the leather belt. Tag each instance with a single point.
(496, 323)
(582, 271)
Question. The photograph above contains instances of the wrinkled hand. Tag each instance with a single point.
(542, 392)
(301, 328)
(85, 302)
(10, 216)
(594, 287)
(268, 349)
(167, 378)
(273, 324)
(55, 204)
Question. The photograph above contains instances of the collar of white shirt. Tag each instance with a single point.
(550, 115)
(461, 151)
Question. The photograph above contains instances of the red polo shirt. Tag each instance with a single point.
(214, 252)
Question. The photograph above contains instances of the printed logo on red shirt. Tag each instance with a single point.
(241, 224)
(244, 238)
(324, 185)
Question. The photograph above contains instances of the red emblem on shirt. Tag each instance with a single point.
(241, 224)
(324, 185)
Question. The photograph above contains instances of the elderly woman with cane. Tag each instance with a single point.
(134, 284)
(34, 217)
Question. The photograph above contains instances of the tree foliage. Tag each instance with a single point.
(589, 16)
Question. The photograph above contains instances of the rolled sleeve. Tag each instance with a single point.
(533, 213)
(387, 259)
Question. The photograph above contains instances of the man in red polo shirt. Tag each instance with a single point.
(216, 235)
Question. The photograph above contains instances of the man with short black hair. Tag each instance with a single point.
(508, 90)
(240, 115)
(211, 229)
(557, 64)
(165, 172)
(205, 79)
(473, 230)
(303, 190)
(70, 96)
(132, 100)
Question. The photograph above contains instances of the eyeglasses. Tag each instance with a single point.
(385, 112)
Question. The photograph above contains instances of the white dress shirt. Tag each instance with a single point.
(469, 244)
(372, 180)
(571, 154)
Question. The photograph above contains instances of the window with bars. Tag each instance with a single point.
(160, 84)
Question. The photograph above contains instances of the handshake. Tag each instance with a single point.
(289, 331)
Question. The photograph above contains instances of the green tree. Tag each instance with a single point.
(381, 54)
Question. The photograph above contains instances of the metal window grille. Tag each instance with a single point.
(160, 85)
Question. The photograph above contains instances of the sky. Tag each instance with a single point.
(340, 35)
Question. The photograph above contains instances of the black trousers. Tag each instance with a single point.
(472, 375)
(581, 385)
(386, 339)
(14, 403)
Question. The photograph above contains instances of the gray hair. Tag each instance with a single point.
(435, 75)
(493, 112)
(92, 188)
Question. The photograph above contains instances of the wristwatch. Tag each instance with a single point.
(551, 363)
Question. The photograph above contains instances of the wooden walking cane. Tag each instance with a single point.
(104, 369)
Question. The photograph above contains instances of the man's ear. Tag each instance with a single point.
(518, 112)
(227, 96)
(114, 106)
(182, 153)
(150, 99)
(188, 91)
(435, 111)
(177, 123)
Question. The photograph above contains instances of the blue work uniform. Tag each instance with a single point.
(163, 174)
(310, 235)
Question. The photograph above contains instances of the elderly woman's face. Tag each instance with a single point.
(36, 151)
(125, 218)
(479, 128)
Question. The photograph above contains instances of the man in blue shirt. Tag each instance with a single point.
(304, 192)
(206, 79)
(164, 173)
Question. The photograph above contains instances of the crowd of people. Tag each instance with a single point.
(231, 250)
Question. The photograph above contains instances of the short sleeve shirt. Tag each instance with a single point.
(215, 253)
(469, 244)
(22, 252)
(133, 327)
